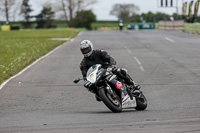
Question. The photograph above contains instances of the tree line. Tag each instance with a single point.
(129, 13)
(70, 11)
(73, 13)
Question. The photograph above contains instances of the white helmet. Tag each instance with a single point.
(86, 48)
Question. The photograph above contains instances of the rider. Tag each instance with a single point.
(92, 57)
(121, 25)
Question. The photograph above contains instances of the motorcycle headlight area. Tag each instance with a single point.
(87, 84)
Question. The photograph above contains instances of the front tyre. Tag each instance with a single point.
(114, 104)
(141, 102)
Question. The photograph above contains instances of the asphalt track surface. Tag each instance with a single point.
(44, 99)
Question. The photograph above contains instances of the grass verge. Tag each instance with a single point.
(20, 48)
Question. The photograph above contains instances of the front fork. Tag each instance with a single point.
(110, 91)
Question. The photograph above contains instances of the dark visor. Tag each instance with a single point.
(86, 50)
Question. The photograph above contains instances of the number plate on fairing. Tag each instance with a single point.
(128, 103)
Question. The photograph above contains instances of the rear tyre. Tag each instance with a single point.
(114, 104)
(141, 102)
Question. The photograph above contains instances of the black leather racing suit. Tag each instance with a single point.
(97, 57)
(101, 57)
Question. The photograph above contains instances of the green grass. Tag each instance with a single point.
(20, 48)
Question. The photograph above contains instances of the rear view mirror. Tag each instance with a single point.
(77, 80)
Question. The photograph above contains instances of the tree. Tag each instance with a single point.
(155, 17)
(124, 11)
(197, 19)
(148, 17)
(70, 7)
(84, 18)
(45, 18)
(176, 16)
(5, 7)
(135, 18)
(161, 16)
(25, 11)
(16, 10)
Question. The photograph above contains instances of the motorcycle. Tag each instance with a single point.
(112, 90)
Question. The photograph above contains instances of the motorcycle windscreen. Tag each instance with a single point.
(92, 73)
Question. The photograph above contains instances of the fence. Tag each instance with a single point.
(5, 28)
(171, 25)
(192, 28)
(142, 26)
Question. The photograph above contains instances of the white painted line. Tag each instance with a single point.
(136, 59)
(139, 63)
(80, 33)
(142, 68)
(22, 71)
(71, 40)
(168, 39)
(129, 52)
(62, 39)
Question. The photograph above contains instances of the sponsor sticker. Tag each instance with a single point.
(122, 95)
(91, 75)
(118, 85)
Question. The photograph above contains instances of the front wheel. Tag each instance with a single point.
(141, 102)
(114, 104)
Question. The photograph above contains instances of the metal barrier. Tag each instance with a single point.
(142, 26)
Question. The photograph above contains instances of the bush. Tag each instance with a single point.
(84, 18)
(15, 27)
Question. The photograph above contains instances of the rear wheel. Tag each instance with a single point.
(114, 104)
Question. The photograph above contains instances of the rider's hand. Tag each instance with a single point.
(137, 86)
(114, 68)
